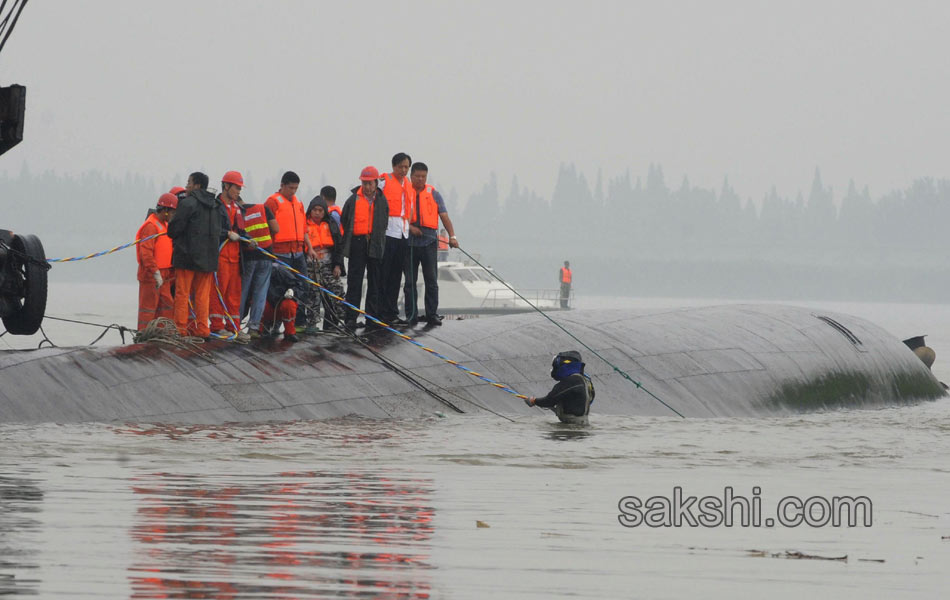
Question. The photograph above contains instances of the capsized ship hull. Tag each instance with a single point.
(719, 361)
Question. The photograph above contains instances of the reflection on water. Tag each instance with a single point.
(568, 433)
(19, 499)
(288, 535)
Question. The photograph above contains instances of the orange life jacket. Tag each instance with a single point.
(163, 243)
(339, 213)
(320, 236)
(443, 243)
(394, 191)
(425, 209)
(565, 275)
(362, 215)
(290, 219)
(255, 224)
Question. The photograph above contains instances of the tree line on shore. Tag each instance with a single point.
(620, 222)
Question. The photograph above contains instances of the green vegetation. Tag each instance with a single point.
(848, 389)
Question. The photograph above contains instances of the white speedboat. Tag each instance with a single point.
(465, 288)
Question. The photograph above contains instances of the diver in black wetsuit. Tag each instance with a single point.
(572, 395)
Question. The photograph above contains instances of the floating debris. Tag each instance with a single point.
(480, 524)
(795, 555)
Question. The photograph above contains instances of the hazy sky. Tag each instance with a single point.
(761, 92)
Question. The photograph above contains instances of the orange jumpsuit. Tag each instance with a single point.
(200, 285)
(229, 279)
(154, 255)
(286, 313)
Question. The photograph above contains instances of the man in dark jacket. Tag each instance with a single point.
(572, 395)
(365, 217)
(199, 226)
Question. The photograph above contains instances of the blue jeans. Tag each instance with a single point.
(254, 284)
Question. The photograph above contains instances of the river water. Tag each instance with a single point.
(464, 507)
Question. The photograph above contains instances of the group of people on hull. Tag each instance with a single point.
(208, 273)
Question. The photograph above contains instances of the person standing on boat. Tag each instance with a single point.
(427, 208)
(397, 190)
(198, 228)
(261, 227)
(365, 217)
(281, 306)
(572, 395)
(154, 256)
(324, 265)
(225, 298)
(443, 244)
(290, 244)
(328, 193)
(564, 278)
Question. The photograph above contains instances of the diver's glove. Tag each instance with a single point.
(529, 401)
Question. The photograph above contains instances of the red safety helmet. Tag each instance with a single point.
(234, 177)
(176, 190)
(168, 200)
(369, 174)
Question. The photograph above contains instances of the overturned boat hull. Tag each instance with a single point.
(734, 360)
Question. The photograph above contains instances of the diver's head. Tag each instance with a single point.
(566, 363)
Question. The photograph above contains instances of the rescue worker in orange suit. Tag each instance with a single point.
(155, 273)
(564, 278)
(427, 208)
(225, 296)
(397, 190)
(197, 229)
(291, 244)
(281, 306)
(365, 217)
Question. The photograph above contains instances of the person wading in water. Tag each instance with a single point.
(572, 395)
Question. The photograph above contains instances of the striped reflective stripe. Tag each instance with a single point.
(250, 229)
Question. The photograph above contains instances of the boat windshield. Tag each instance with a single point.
(483, 275)
(466, 275)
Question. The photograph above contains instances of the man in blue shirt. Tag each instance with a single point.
(427, 208)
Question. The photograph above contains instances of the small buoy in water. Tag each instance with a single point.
(926, 354)
(440, 415)
(481, 524)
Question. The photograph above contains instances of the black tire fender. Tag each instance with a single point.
(31, 266)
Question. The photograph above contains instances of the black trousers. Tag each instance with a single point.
(360, 265)
(427, 257)
(395, 267)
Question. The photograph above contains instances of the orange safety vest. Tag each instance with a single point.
(362, 216)
(394, 192)
(320, 236)
(290, 218)
(163, 243)
(443, 243)
(425, 209)
(565, 275)
(255, 224)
